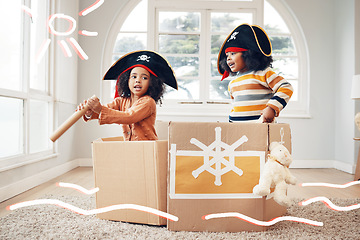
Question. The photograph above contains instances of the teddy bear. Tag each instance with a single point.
(276, 174)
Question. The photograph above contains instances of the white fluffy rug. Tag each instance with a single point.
(53, 222)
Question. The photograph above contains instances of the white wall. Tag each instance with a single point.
(324, 140)
(313, 138)
(357, 37)
(90, 72)
(344, 111)
(357, 67)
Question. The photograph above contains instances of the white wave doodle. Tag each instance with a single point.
(349, 184)
(93, 211)
(77, 187)
(329, 204)
(262, 223)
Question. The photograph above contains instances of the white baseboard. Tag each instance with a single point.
(85, 162)
(342, 166)
(345, 167)
(16, 188)
(35, 180)
(312, 164)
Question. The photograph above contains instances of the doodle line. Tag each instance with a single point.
(349, 184)
(94, 6)
(262, 223)
(93, 211)
(77, 187)
(329, 204)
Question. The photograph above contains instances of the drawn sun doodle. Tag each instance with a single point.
(69, 40)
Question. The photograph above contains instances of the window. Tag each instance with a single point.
(189, 35)
(25, 101)
(289, 54)
(183, 37)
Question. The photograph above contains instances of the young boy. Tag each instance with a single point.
(256, 89)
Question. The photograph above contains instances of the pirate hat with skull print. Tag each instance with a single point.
(151, 61)
(245, 37)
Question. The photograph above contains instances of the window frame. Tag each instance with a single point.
(27, 94)
(204, 106)
(300, 108)
(221, 108)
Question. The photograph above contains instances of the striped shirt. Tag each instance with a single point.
(254, 91)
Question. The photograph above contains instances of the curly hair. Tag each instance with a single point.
(254, 61)
(156, 86)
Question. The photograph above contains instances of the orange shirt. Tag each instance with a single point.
(138, 120)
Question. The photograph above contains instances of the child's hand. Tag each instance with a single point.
(81, 106)
(94, 105)
(268, 115)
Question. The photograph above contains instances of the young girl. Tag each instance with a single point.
(140, 85)
(256, 90)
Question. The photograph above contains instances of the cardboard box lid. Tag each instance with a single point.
(183, 132)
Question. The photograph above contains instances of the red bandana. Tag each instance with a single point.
(235, 49)
(232, 49)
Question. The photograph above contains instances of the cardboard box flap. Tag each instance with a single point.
(280, 132)
(204, 132)
(162, 129)
(131, 173)
(110, 139)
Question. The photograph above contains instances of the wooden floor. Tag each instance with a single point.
(83, 176)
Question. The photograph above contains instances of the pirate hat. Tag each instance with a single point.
(247, 37)
(149, 60)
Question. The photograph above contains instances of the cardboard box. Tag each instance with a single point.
(162, 129)
(131, 173)
(213, 169)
